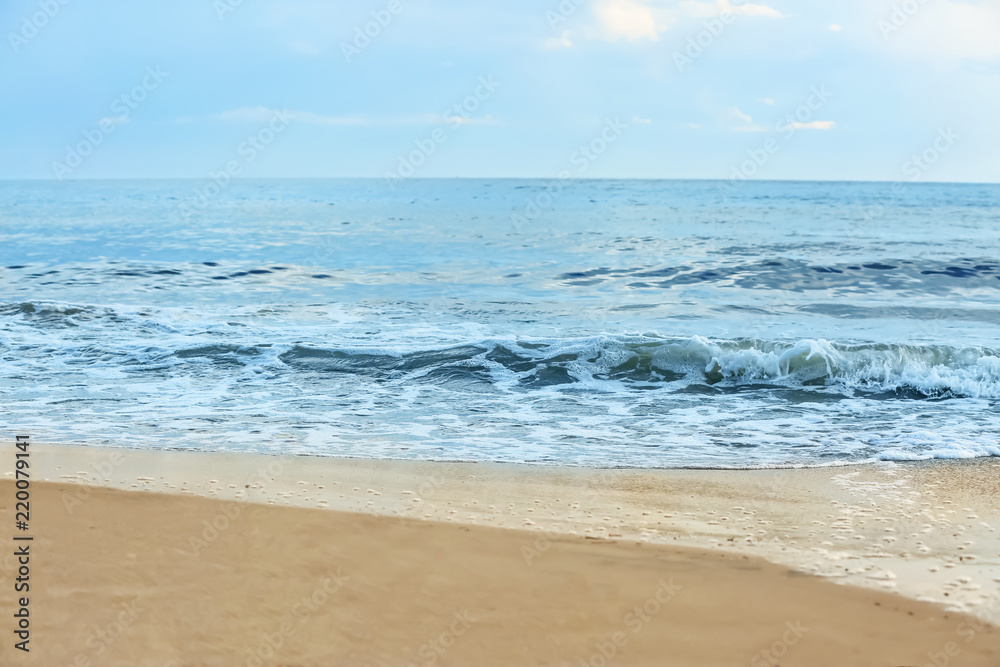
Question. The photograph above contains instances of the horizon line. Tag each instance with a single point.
(492, 178)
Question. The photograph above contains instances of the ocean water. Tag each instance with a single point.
(597, 323)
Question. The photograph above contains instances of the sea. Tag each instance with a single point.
(602, 323)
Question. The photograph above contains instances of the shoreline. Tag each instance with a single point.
(919, 536)
(890, 518)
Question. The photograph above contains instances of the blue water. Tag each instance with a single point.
(606, 323)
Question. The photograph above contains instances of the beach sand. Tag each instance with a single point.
(180, 558)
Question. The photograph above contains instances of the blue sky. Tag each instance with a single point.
(883, 90)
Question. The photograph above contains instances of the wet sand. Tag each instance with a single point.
(154, 558)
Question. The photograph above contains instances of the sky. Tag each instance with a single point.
(890, 90)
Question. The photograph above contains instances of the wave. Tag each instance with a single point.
(881, 369)
(139, 338)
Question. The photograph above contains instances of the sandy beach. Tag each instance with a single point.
(181, 558)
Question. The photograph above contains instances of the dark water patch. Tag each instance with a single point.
(793, 275)
(801, 396)
(906, 393)
(216, 350)
(640, 368)
(418, 360)
(659, 273)
(954, 272)
(636, 306)
(923, 314)
(699, 389)
(336, 361)
(584, 274)
(42, 310)
(375, 364)
(458, 377)
(548, 377)
(510, 360)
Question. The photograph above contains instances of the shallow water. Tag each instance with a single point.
(598, 323)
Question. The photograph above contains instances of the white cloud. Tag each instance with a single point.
(245, 115)
(814, 125)
(945, 29)
(699, 10)
(304, 47)
(250, 115)
(836, 27)
(737, 121)
(642, 121)
(263, 115)
(555, 43)
(638, 20)
(750, 9)
(695, 9)
(465, 120)
(735, 112)
(319, 119)
(768, 101)
(626, 19)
